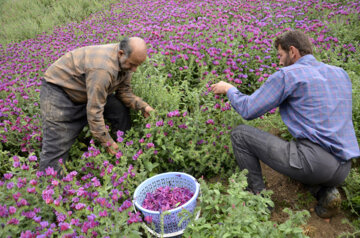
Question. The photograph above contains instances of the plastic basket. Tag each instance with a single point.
(171, 179)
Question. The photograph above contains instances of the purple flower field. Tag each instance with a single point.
(191, 44)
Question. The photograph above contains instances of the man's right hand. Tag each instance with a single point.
(112, 149)
(147, 111)
(221, 87)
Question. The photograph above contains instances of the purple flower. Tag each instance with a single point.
(210, 121)
(103, 213)
(126, 204)
(96, 182)
(134, 218)
(47, 195)
(183, 126)
(27, 234)
(8, 176)
(10, 185)
(150, 145)
(13, 221)
(32, 158)
(159, 123)
(50, 171)
(119, 154)
(44, 224)
(166, 198)
(3, 211)
(238, 81)
(22, 202)
(170, 123)
(135, 157)
(148, 219)
(55, 182)
(119, 133)
(175, 113)
(64, 226)
(80, 206)
(12, 210)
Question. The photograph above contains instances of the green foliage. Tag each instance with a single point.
(200, 148)
(24, 19)
(5, 164)
(352, 191)
(304, 200)
(356, 103)
(234, 212)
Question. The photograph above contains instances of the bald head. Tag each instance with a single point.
(132, 53)
(138, 48)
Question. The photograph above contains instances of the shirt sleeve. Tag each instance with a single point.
(267, 97)
(97, 85)
(126, 95)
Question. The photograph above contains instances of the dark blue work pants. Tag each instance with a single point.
(63, 120)
(301, 160)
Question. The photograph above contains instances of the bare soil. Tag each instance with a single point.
(291, 194)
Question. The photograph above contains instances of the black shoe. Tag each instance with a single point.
(328, 203)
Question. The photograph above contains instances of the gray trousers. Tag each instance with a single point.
(301, 160)
(63, 120)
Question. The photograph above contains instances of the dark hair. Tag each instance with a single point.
(297, 39)
(125, 46)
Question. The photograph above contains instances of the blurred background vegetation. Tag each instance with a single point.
(24, 19)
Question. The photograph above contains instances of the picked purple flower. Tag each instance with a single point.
(167, 198)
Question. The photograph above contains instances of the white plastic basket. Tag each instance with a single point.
(171, 221)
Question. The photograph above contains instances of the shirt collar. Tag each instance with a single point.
(305, 58)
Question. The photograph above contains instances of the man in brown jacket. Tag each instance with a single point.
(86, 86)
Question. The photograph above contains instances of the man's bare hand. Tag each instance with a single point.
(112, 149)
(220, 87)
(147, 111)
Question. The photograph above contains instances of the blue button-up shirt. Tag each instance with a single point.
(315, 101)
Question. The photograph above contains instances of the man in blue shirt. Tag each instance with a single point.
(315, 101)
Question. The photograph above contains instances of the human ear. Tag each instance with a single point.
(292, 51)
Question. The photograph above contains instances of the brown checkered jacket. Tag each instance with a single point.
(89, 75)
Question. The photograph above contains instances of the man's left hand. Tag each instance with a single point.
(147, 111)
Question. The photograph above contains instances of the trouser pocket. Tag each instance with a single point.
(294, 159)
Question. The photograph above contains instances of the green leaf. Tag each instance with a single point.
(150, 166)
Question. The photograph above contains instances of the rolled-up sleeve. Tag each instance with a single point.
(126, 95)
(97, 85)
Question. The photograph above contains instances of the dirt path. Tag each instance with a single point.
(289, 193)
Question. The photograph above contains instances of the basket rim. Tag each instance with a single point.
(196, 193)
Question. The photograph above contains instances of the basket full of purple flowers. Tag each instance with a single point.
(171, 193)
